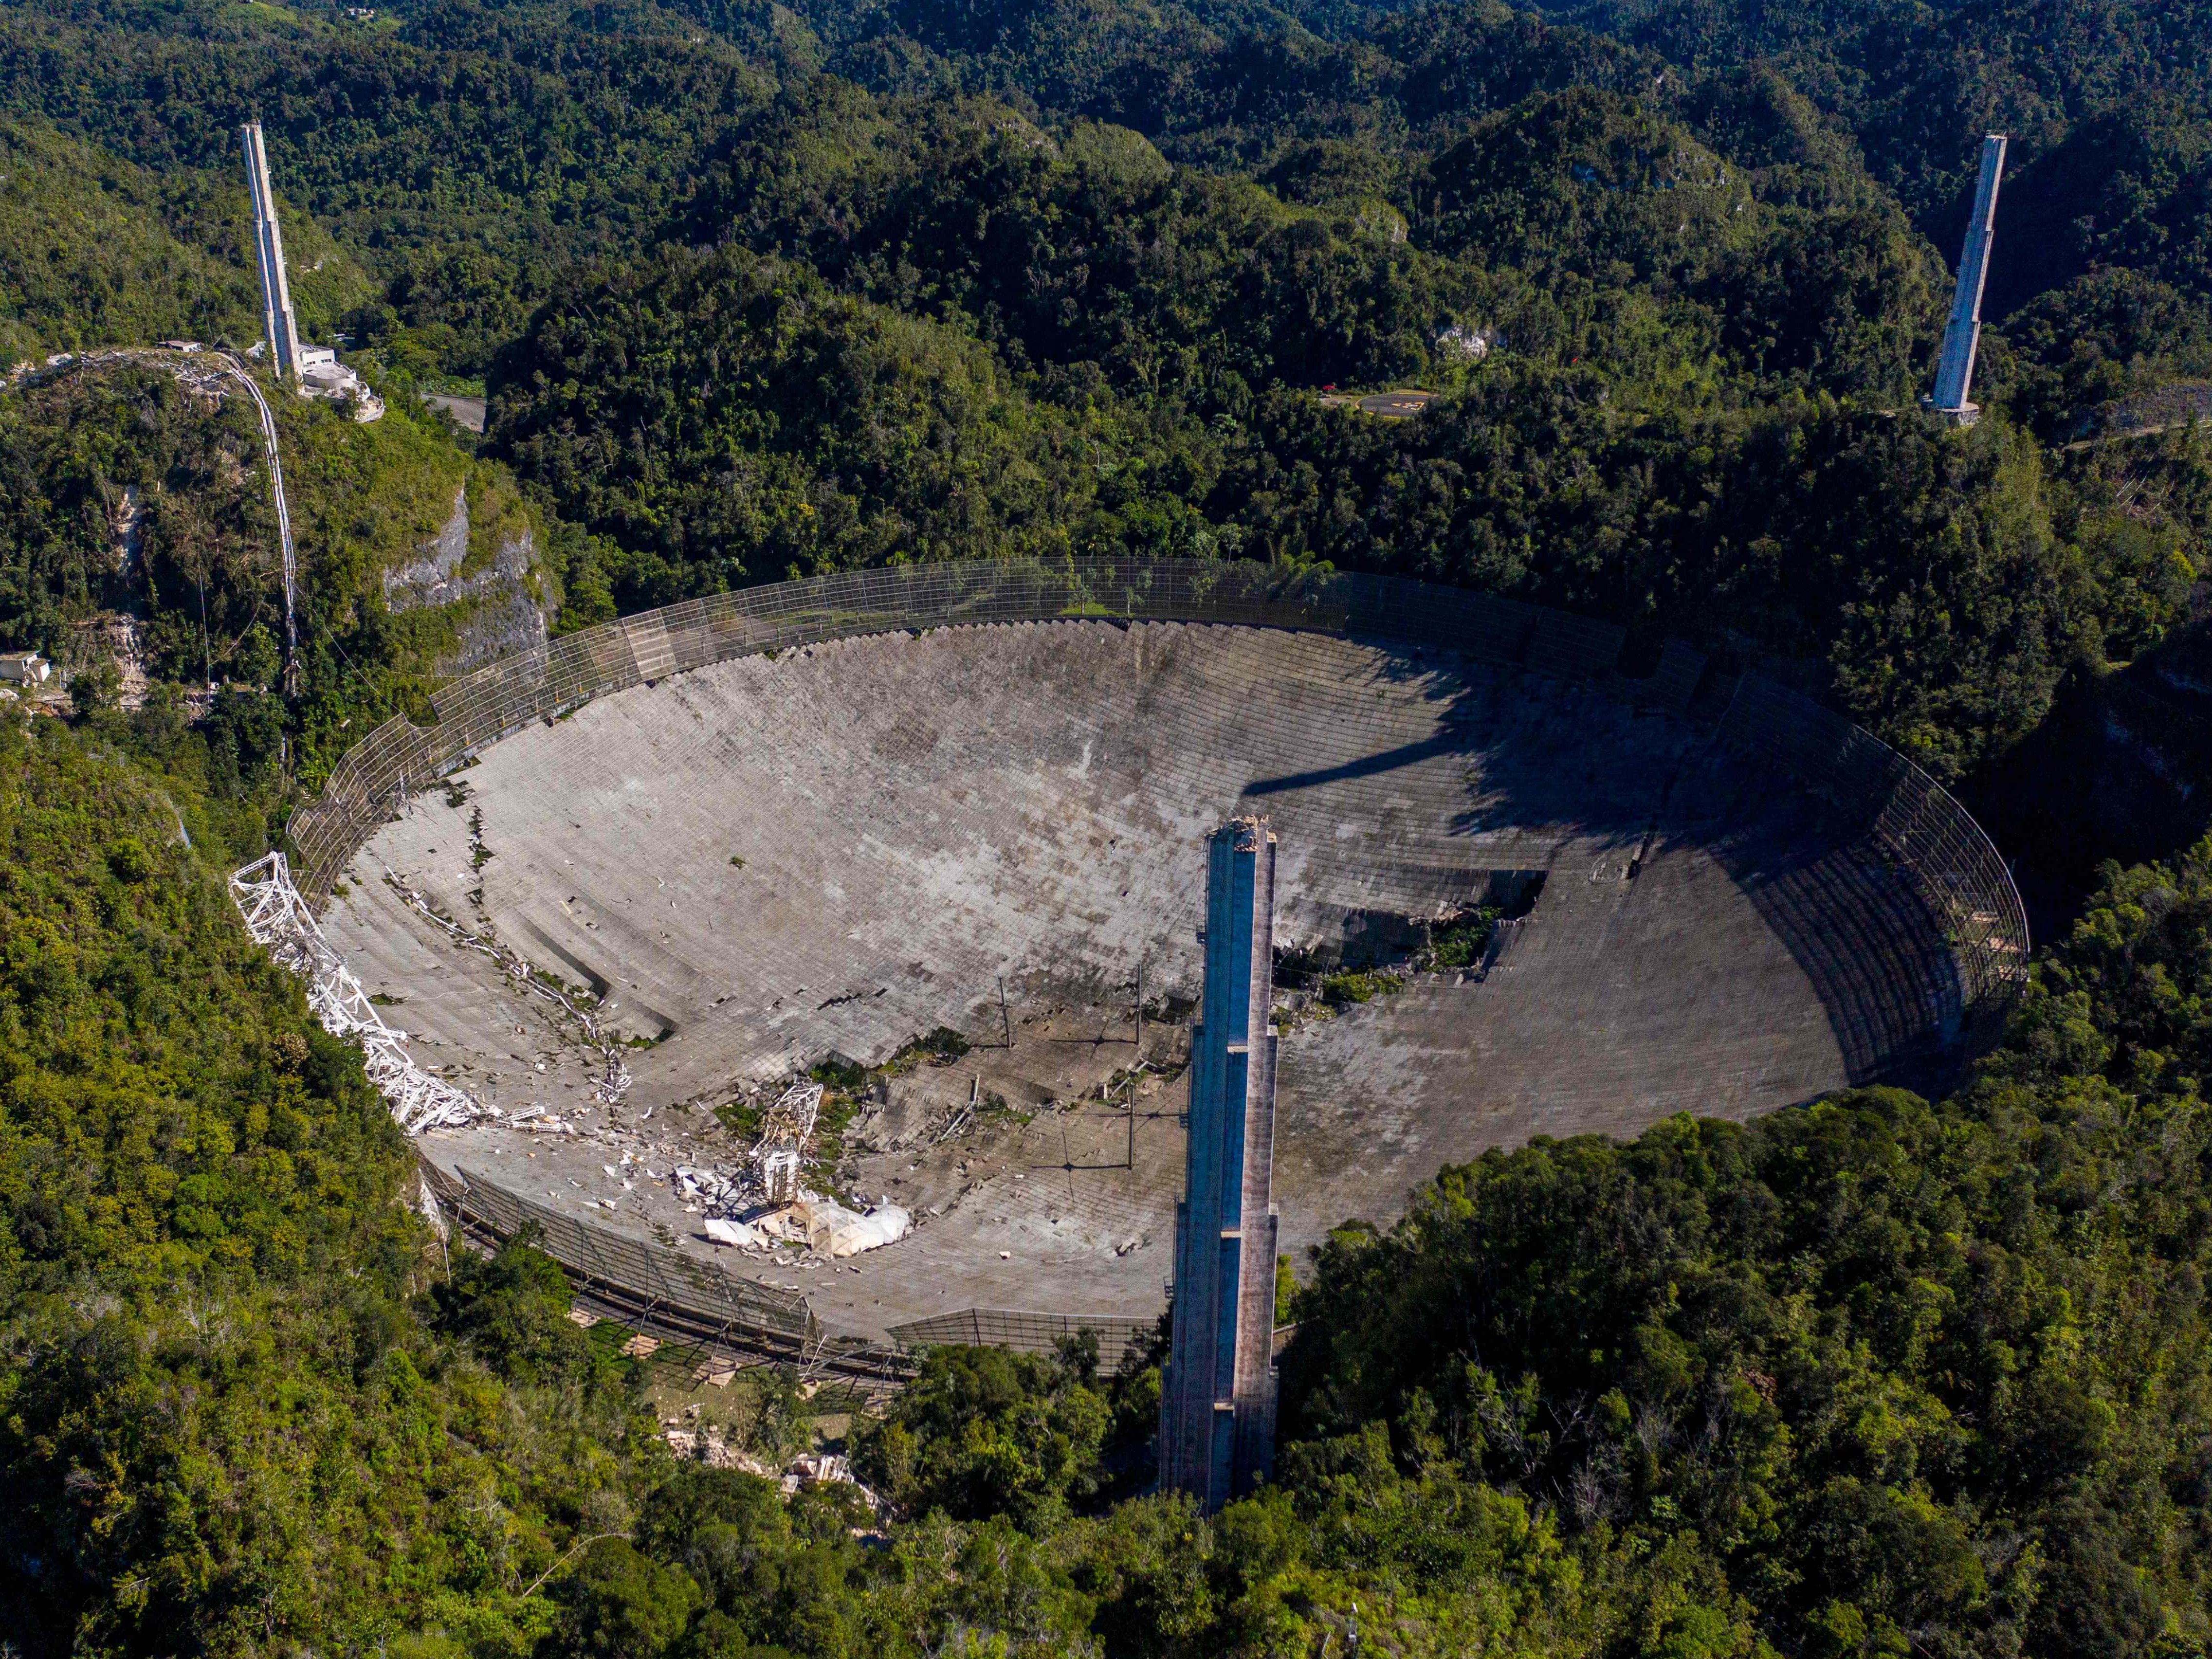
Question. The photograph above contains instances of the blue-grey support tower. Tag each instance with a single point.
(1954, 372)
(276, 319)
(1218, 1398)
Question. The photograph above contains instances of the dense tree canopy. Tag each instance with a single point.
(764, 291)
(756, 290)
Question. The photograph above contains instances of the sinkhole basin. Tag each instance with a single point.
(769, 861)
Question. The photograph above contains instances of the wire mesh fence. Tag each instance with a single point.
(690, 1299)
(697, 1303)
(399, 758)
(1028, 1333)
(1932, 841)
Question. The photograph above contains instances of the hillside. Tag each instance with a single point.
(758, 290)
(96, 250)
(1871, 1373)
(415, 561)
(224, 1408)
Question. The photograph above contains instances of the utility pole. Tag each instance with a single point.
(1005, 1025)
(1141, 1011)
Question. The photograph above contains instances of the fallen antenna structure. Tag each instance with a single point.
(614, 1078)
(281, 923)
(1954, 373)
(786, 1128)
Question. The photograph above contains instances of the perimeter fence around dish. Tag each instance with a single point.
(399, 758)
(1927, 833)
(1028, 1333)
(660, 1290)
(1931, 839)
(696, 1304)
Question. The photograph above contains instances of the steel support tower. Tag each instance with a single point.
(1954, 373)
(276, 319)
(1218, 1398)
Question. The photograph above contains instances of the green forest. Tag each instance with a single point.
(754, 290)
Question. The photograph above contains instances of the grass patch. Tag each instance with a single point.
(941, 1046)
(741, 1117)
(1351, 984)
(1461, 941)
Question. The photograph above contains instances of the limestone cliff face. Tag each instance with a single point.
(488, 586)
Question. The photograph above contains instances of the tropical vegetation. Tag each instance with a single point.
(753, 290)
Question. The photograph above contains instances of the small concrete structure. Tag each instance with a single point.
(25, 668)
(1218, 1393)
(1954, 373)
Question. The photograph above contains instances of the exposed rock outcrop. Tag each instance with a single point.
(495, 608)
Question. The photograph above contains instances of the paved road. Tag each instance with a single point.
(468, 413)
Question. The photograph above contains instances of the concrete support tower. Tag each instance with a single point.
(1218, 1399)
(282, 332)
(1954, 373)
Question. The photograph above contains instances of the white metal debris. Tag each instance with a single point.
(615, 1079)
(786, 1128)
(279, 921)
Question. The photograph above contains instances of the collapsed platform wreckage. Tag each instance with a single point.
(762, 1205)
(765, 1205)
(280, 922)
(786, 1128)
(770, 1179)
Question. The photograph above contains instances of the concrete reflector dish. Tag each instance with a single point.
(768, 860)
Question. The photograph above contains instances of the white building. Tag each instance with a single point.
(24, 668)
